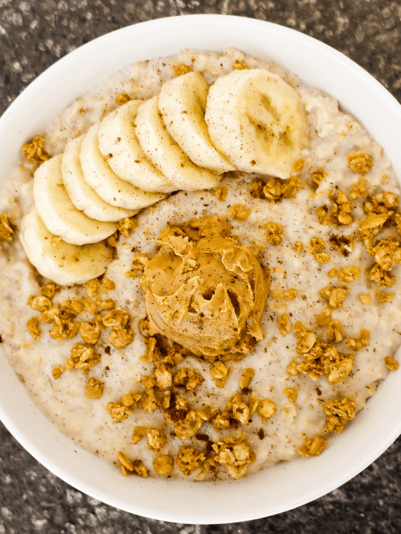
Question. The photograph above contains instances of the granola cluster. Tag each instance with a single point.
(165, 390)
(34, 151)
(276, 189)
(70, 318)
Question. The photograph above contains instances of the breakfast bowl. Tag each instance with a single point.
(280, 487)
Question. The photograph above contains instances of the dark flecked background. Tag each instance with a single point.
(33, 35)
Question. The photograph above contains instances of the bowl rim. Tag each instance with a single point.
(7, 413)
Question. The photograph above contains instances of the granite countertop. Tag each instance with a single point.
(33, 35)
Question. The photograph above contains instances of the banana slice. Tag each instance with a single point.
(119, 144)
(62, 262)
(59, 214)
(165, 153)
(182, 102)
(81, 194)
(105, 182)
(257, 120)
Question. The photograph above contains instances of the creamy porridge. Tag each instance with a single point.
(238, 323)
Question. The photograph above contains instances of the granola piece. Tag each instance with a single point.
(125, 226)
(339, 412)
(322, 213)
(34, 151)
(188, 459)
(40, 304)
(324, 359)
(358, 189)
(391, 363)
(292, 369)
(49, 290)
(324, 317)
(239, 212)
(365, 299)
(163, 377)
(360, 162)
(246, 377)
(298, 246)
(192, 423)
(115, 318)
(152, 353)
(358, 343)
(221, 421)
(240, 411)
(381, 277)
(335, 332)
(386, 297)
(122, 98)
(372, 225)
(64, 329)
(107, 285)
(385, 203)
(177, 408)
(121, 337)
(93, 288)
(316, 245)
(341, 209)
(219, 372)
(322, 257)
(163, 465)
(82, 357)
(343, 243)
(388, 253)
(94, 389)
(72, 306)
(240, 65)
(291, 394)
(90, 331)
(138, 266)
(348, 274)
(235, 454)
(275, 233)
(149, 401)
(124, 407)
(6, 231)
(138, 433)
(332, 273)
(318, 175)
(34, 327)
(58, 371)
(290, 187)
(89, 305)
(112, 241)
(181, 68)
(49, 315)
(266, 409)
(188, 378)
(284, 325)
(272, 190)
(334, 295)
(221, 193)
(315, 446)
(148, 381)
(305, 338)
(156, 440)
(279, 293)
(299, 165)
(106, 304)
(128, 466)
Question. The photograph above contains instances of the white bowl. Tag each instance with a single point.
(286, 485)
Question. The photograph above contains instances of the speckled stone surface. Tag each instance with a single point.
(33, 35)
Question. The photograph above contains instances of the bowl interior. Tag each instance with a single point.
(286, 485)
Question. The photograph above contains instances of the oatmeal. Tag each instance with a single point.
(235, 312)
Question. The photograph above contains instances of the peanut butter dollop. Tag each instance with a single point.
(205, 290)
